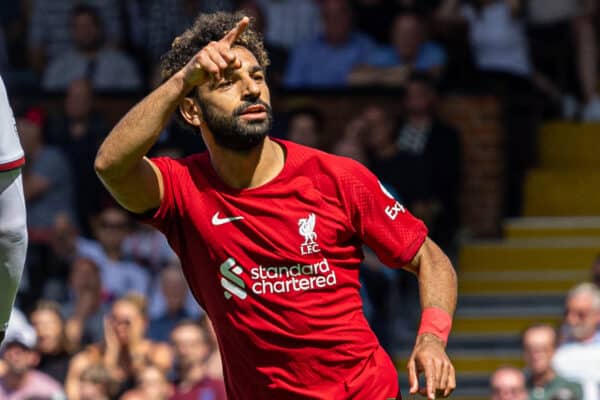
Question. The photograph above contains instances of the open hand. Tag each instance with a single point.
(429, 357)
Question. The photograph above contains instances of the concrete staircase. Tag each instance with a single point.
(508, 284)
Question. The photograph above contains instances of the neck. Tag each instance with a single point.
(248, 170)
(543, 378)
(191, 376)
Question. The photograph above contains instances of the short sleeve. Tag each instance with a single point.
(168, 208)
(379, 220)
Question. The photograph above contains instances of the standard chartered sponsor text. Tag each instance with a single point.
(295, 278)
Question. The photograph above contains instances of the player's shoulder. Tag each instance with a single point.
(321, 162)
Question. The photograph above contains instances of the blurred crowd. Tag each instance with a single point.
(105, 310)
(561, 362)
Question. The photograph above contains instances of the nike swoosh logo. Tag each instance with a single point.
(220, 221)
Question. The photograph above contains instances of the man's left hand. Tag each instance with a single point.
(429, 357)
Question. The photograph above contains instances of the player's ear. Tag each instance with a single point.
(190, 111)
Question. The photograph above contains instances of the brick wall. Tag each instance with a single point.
(478, 120)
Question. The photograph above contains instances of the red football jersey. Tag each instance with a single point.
(276, 269)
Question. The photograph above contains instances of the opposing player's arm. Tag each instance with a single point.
(134, 181)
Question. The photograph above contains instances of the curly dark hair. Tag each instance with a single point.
(208, 28)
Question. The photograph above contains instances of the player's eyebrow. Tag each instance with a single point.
(255, 69)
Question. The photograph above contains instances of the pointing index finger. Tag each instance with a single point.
(236, 32)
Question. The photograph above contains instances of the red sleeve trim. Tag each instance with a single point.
(13, 164)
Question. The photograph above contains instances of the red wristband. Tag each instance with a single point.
(437, 322)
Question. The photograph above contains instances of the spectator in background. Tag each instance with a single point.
(21, 380)
(290, 22)
(84, 309)
(124, 352)
(118, 276)
(351, 142)
(149, 248)
(192, 348)
(52, 344)
(96, 383)
(49, 34)
(78, 132)
(596, 272)
(91, 58)
(328, 60)
(305, 126)
(175, 292)
(214, 366)
(508, 383)
(539, 344)
(277, 53)
(167, 19)
(577, 358)
(431, 150)
(556, 27)
(152, 384)
(47, 181)
(501, 52)
(409, 52)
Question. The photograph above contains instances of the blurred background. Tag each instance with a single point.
(481, 116)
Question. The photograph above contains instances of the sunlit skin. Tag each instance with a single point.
(508, 384)
(539, 344)
(581, 318)
(49, 329)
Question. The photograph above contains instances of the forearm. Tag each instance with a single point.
(437, 278)
(134, 135)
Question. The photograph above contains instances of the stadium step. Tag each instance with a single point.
(569, 145)
(562, 192)
(551, 227)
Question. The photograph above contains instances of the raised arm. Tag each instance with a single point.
(133, 180)
(437, 287)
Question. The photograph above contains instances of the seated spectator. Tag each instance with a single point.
(148, 248)
(90, 57)
(508, 383)
(596, 272)
(96, 383)
(47, 180)
(328, 60)
(21, 380)
(305, 126)
(49, 27)
(539, 344)
(350, 144)
(290, 22)
(577, 358)
(124, 351)
(192, 348)
(166, 19)
(78, 132)
(52, 344)
(497, 34)
(566, 30)
(175, 292)
(152, 384)
(501, 52)
(83, 308)
(118, 276)
(277, 53)
(410, 52)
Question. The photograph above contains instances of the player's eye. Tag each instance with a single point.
(259, 77)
